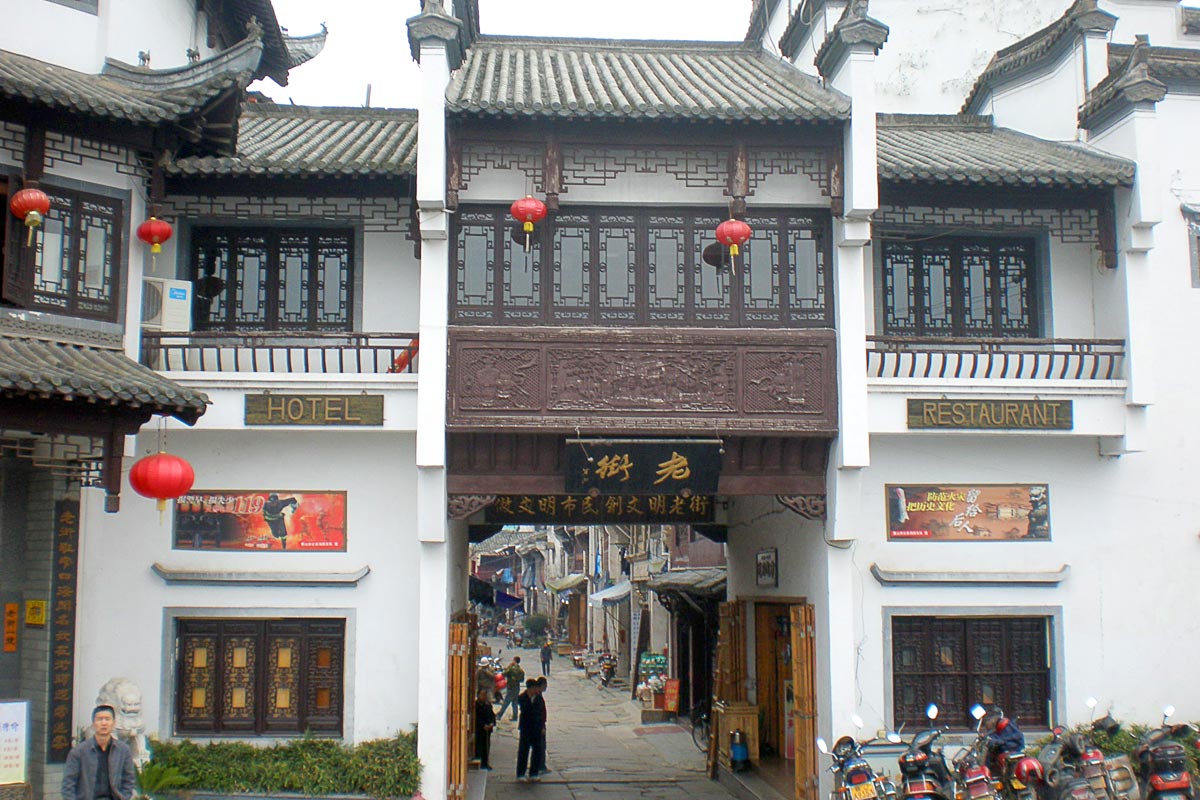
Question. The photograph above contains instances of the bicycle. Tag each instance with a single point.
(701, 726)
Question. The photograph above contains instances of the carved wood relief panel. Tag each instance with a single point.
(642, 380)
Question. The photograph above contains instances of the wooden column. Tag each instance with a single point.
(738, 182)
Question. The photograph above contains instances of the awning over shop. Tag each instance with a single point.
(613, 594)
(707, 582)
(480, 591)
(566, 584)
(506, 600)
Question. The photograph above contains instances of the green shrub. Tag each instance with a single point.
(536, 624)
(154, 778)
(311, 766)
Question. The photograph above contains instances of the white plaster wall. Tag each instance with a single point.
(122, 603)
(937, 48)
(1122, 525)
(80, 40)
(1045, 106)
(392, 277)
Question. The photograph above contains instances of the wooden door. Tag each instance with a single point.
(458, 709)
(729, 674)
(804, 703)
(772, 669)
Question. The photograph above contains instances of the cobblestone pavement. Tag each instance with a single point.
(597, 748)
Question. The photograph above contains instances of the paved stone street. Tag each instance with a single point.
(597, 747)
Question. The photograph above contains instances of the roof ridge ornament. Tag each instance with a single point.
(855, 29)
(433, 24)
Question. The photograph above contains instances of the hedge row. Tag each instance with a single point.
(380, 768)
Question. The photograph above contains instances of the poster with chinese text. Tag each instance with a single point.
(262, 520)
(14, 741)
(968, 513)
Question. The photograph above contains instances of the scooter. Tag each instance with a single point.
(608, 668)
(1161, 763)
(853, 777)
(924, 774)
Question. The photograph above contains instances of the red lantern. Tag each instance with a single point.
(733, 233)
(163, 477)
(30, 206)
(154, 232)
(527, 211)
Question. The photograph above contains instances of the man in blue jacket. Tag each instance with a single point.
(101, 767)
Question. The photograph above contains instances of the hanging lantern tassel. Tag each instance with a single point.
(31, 207)
(154, 232)
(163, 477)
(733, 233)
(527, 211)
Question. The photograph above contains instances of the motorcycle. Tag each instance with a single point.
(1061, 762)
(854, 779)
(1110, 778)
(972, 776)
(1161, 762)
(608, 668)
(923, 771)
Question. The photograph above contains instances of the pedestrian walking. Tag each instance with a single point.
(514, 678)
(531, 728)
(485, 721)
(539, 703)
(100, 767)
(547, 654)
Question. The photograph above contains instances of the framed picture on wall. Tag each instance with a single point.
(766, 568)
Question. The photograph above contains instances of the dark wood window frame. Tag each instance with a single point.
(624, 284)
(216, 250)
(74, 291)
(958, 661)
(231, 675)
(973, 296)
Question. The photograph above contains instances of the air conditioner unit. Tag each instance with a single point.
(166, 304)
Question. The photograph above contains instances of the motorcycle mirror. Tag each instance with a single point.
(1092, 702)
(856, 721)
(1167, 712)
(893, 737)
(824, 748)
(931, 711)
(977, 711)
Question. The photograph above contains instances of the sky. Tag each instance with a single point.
(368, 40)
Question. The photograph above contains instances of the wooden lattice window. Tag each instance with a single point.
(957, 662)
(637, 266)
(246, 677)
(272, 279)
(72, 266)
(959, 287)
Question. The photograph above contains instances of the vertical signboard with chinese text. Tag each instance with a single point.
(62, 628)
(977, 512)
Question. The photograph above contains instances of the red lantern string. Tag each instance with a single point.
(154, 232)
(30, 206)
(163, 477)
(527, 211)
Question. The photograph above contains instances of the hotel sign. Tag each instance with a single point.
(1037, 415)
(314, 409)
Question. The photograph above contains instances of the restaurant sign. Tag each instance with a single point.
(560, 509)
(261, 520)
(978, 512)
(314, 409)
(1036, 415)
(643, 466)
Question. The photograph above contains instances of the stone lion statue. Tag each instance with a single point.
(125, 696)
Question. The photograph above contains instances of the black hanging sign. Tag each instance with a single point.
(682, 467)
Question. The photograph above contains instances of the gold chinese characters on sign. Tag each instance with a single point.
(547, 509)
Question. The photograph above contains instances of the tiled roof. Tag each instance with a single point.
(1165, 63)
(1082, 15)
(704, 582)
(41, 365)
(302, 49)
(610, 79)
(301, 141)
(127, 93)
(968, 150)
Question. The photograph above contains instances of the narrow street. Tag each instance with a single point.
(596, 746)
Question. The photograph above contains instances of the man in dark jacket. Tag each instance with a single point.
(1003, 735)
(531, 726)
(100, 768)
